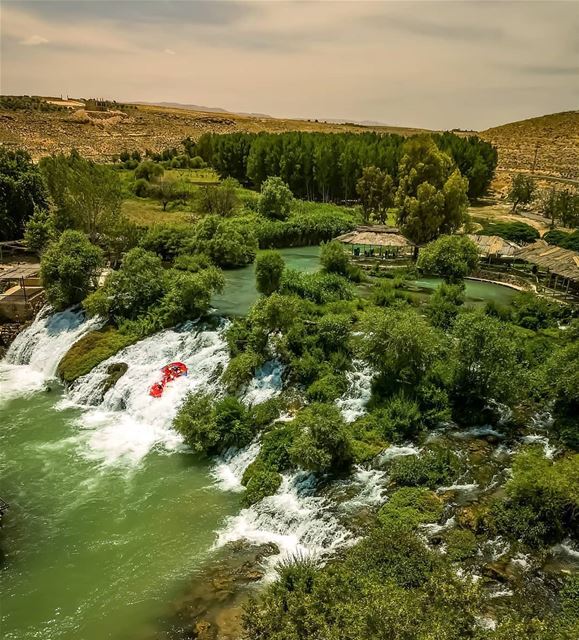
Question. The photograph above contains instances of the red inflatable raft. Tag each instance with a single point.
(170, 372)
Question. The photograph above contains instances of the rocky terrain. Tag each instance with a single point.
(102, 134)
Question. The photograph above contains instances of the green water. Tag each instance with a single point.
(93, 551)
(240, 292)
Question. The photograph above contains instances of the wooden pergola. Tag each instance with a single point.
(378, 242)
(24, 292)
(558, 267)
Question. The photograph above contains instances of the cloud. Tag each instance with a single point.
(550, 70)
(34, 41)
(169, 52)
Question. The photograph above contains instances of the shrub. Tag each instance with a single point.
(534, 312)
(269, 268)
(69, 269)
(334, 259)
(191, 263)
(542, 499)
(276, 199)
(444, 305)
(461, 544)
(451, 257)
(518, 232)
(209, 427)
(276, 446)
(90, 350)
(431, 469)
(400, 418)
(219, 200)
(563, 239)
(320, 288)
(264, 413)
(240, 370)
(409, 507)
(323, 442)
(167, 240)
(149, 171)
(333, 332)
(326, 389)
(562, 379)
(141, 188)
(39, 231)
(261, 482)
(224, 241)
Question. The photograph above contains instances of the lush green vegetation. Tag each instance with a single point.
(563, 239)
(22, 192)
(518, 232)
(451, 257)
(328, 166)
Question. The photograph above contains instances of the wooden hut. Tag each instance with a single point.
(556, 267)
(24, 293)
(378, 242)
(494, 248)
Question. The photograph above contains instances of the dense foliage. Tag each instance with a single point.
(451, 257)
(328, 166)
(69, 269)
(22, 192)
(518, 232)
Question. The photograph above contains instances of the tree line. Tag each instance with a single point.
(327, 166)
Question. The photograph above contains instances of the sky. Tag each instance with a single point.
(432, 64)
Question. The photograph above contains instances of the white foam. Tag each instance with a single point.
(266, 384)
(230, 468)
(396, 452)
(295, 519)
(353, 403)
(33, 356)
(371, 484)
(535, 438)
(127, 423)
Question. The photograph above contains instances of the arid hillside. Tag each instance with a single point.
(548, 145)
(101, 134)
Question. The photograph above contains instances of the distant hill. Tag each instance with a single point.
(547, 145)
(105, 132)
(197, 107)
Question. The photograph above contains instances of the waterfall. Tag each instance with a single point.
(229, 470)
(33, 357)
(353, 403)
(267, 383)
(126, 423)
(299, 522)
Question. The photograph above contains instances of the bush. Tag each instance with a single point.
(444, 305)
(149, 171)
(320, 288)
(435, 467)
(562, 380)
(563, 239)
(90, 350)
(409, 507)
(533, 312)
(276, 199)
(327, 388)
(142, 188)
(400, 418)
(212, 428)
(461, 544)
(39, 231)
(259, 483)
(323, 443)
(334, 259)
(191, 263)
(240, 370)
(167, 241)
(268, 272)
(451, 257)
(219, 200)
(224, 241)
(276, 446)
(542, 502)
(69, 269)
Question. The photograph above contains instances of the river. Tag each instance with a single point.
(109, 514)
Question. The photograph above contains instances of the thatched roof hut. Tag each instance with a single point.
(556, 260)
(494, 246)
(375, 236)
(378, 241)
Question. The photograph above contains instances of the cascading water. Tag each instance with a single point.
(267, 383)
(33, 357)
(353, 403)
(126, 423)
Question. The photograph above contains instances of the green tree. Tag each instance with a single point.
(452, 257)
(375, 188)
(167, 191)
(323, 442)
(220, 200)
(487, 361)
(87, 196)
(432, 194)
(39, 231)
(149, 171)
(334, 259)
(522, 190)
(22, 192)
(445, 304)
(133, 289)
(269, 268)
(69, 269)
(275, 200)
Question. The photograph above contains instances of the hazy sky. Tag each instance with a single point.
(429, 64)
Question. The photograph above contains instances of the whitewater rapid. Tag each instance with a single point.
(32, 359)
